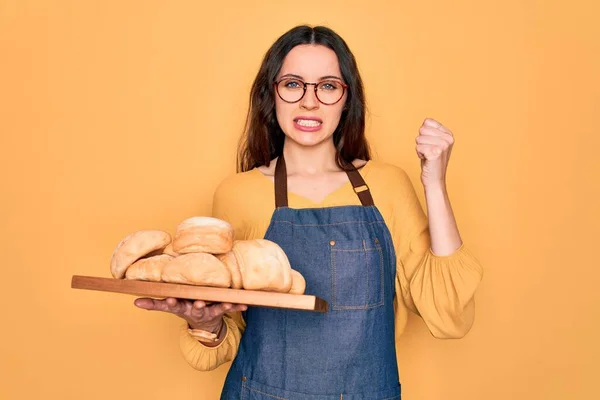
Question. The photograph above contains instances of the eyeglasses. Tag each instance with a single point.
(328, 92)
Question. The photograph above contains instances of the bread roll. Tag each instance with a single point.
(169, 250)
(135, 246)
(228, 259)
(203, 235)
(263, 265)
(298, 283)
(197, 269)
(148, 268)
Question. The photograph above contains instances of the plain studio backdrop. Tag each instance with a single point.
(117, 116)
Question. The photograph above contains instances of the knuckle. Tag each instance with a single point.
(171, 304)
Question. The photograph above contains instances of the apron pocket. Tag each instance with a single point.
(357, 274)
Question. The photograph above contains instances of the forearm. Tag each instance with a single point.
(445, 238)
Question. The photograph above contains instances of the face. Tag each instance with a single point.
(309, 122)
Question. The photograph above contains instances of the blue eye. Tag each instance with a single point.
(293, 84)
(330, 85)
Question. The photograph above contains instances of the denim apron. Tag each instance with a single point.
(347, 258)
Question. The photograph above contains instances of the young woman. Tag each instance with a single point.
(353, 227)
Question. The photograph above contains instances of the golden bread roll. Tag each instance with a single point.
(229, 260)
(169, 250)
(203, 235)
(298, 283)
(263, 265)
(148, 268)
(197, 269)
(135, 246)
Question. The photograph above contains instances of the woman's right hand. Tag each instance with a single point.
(197, 313)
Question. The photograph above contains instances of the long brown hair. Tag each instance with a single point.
(263, 138)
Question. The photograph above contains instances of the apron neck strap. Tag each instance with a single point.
(358, 183)
(281, 195)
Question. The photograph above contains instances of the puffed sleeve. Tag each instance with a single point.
(438, 288)
(204, 358)
(196, 354)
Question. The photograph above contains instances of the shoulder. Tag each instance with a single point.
(386, 174)
(391, 187)
(238, 183)
(242, 190)
(396, 198)
(245, 200)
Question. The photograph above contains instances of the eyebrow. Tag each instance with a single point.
(320, 79)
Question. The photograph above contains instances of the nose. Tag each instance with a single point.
(309, 101)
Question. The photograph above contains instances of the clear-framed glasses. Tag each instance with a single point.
(328, 91)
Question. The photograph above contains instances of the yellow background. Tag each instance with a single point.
(123, 115)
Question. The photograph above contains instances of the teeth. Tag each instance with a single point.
(308, 122)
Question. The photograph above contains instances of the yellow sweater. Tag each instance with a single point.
(439, 289)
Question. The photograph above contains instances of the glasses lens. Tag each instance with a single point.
(330, 92)
(290, 90)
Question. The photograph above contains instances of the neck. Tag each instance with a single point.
(313, 160)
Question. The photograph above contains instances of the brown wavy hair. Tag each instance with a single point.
(263, 138)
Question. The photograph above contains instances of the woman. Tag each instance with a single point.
(353, 227)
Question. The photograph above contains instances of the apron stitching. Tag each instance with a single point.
(358, 307)
(381, 269)
(332, 224)
(358, 250)
(367, 264)
(333, 279)
(263, 393)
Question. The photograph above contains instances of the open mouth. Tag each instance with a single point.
(309, 123)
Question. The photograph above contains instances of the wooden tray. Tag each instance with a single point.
(163, 290)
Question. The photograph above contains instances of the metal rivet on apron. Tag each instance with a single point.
(376, 240)
(332, 242)
(243, 379)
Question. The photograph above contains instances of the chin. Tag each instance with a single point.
(308, 139)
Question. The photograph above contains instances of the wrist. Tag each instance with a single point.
(212, 328)
(209, 336)
(435, 187)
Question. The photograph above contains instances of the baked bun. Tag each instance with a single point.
(148, 268)
(263, 265)
(169, 250)
(135, 246)
(228, 259)
(197, 269)
(298, 283)
(203, 235)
